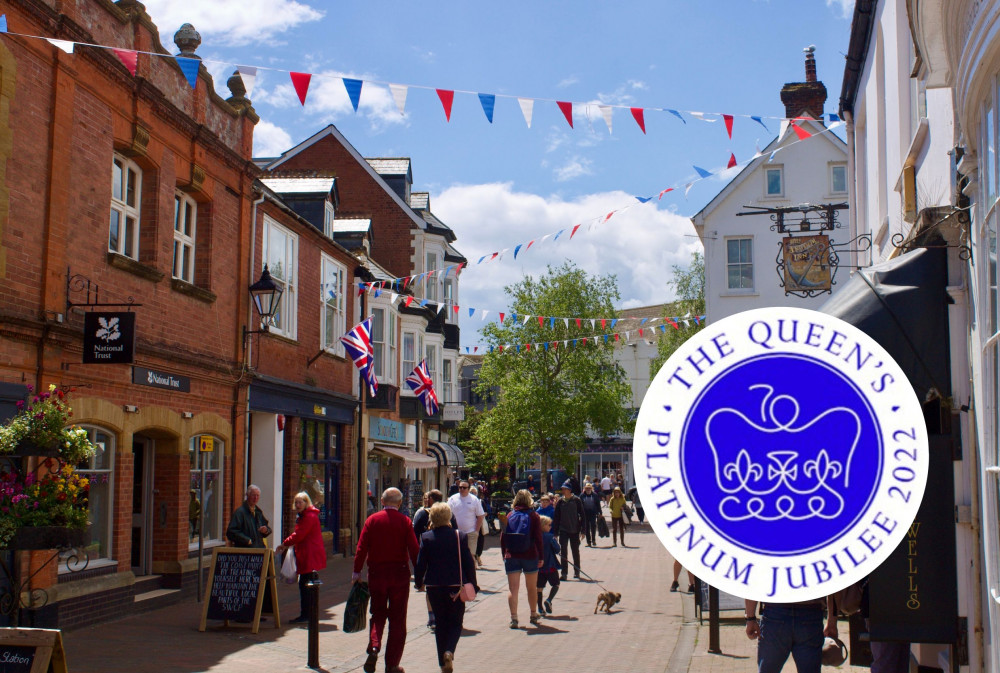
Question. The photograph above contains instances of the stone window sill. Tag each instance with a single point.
(136, 268)
(192, 290)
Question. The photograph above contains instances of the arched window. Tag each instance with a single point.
(207, 453)
(99, 471)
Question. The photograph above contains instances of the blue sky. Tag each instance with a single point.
(501, 184)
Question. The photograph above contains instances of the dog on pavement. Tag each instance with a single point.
(606, 599)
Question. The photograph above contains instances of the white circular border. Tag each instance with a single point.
(896, 409)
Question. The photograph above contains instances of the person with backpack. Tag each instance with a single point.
(522, 551)
(570, 523)
(549, 572)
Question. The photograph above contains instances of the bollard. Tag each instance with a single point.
(312, 586)
(713, 621)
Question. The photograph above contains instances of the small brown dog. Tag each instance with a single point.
(606, 599)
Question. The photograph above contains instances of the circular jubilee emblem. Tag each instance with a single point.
(780, 454)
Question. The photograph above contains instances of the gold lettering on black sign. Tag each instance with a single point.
(913, 602)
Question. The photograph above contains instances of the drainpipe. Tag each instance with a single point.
(852, 192)
(248, 347)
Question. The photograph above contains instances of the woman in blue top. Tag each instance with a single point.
(545, 507)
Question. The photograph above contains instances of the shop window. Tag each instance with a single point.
(739, 263)
(774, 182)
(185, 220)
(333, 301)
(281, 258)
(206, 453)
(126, 188)
(98, 471)
(319, 470)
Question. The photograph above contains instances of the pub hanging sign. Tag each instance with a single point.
(109, 338)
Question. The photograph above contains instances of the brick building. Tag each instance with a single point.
(139, 186)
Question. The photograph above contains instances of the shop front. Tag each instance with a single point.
(450, 461)
(611, 458)
(394, 461)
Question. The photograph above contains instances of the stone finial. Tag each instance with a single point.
(187, 40)
(236, 86)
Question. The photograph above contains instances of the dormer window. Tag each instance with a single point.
(328, 214)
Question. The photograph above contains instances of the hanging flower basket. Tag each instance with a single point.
(42, 427)
(49, 537)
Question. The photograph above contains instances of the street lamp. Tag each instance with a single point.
(266, 295)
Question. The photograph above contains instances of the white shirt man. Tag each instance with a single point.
(468, 513)
(606, 484)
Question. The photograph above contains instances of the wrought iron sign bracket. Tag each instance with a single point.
(899, 242)
(77, 282)
(811, 218)
(860, 243)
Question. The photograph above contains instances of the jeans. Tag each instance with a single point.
(795, 630)
(591, 520)
(448, 615)
(567, 540)
(512, 566)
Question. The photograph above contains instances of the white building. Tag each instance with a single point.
(741, 268)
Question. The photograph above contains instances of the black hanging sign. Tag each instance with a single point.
(108, 338)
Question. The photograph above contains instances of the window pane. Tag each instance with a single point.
(734, 277)
(746, 275)
(186, 270)
(839, 179)
(116, 180)
(113, 232)
(128, 241)
(130, 188)
(177, 260)
(733, 250)
(188, 218)
(774, 182)
(177, 213)
(745, 247)
(991, 155)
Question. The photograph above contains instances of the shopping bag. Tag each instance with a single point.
(602, 527)
(627, 511)
(289, 572)
(356, 610)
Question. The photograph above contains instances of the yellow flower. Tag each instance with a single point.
(52, 387)
(84, 483)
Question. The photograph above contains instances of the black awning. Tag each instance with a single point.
(903, 305)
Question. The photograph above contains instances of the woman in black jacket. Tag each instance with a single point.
(444, 564)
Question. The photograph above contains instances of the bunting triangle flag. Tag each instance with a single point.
(447, 97)
(761, 122)
(606, 112)
(833, 117)
(701, 116)
(472, 312)
(189, 66)
(567, 110)
(393, 297)
(3, 23)
(353, 87)
(687, 189)
(485, 312)
(440, 306)
(541, 321)
(529, 245)
(454, 309)
(668, 189)
(552, 323)
(501, 318)
(802, 133)
(573, 233)
(527, 108)
(300, 80)
(488, 102)
(702, 172)
(732, 160)
(526, 319)
(128, 57)
(644, 199)
(409, 300)
(579, 323)
(517, 250)
(248, 74)
(678, 115)
(398, 92)
(65, 45)
(608, 216)
(637, 114)
(603, 322)
(729, 125)
(566, 322)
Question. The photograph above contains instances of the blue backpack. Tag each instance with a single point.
(517, 536)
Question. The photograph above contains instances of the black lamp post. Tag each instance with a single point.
(266, 296)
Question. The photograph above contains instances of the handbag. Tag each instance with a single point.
(289, 571)
(468, 589)
(602, 527)
(356, 610)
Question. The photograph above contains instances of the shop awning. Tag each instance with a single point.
(447, 454)
(411, 458)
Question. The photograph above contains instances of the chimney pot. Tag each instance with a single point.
(810, 63)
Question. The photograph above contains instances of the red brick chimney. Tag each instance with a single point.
(805, 98)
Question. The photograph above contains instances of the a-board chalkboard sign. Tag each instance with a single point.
(241, 586)
(31, 651)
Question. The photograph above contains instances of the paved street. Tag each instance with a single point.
(652, 630)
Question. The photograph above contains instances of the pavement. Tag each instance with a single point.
(652, 630)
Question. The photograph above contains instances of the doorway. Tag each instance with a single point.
(142, 505)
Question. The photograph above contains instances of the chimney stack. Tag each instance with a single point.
(805, 98)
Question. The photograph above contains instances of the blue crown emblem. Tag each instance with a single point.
(783, 467)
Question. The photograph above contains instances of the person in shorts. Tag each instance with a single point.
(549, 572)
(527, 562)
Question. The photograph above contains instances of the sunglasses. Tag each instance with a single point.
(463, 488)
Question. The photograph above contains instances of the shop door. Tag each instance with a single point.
(142, 505)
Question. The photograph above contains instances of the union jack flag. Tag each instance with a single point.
(358, 343)
(423, 385)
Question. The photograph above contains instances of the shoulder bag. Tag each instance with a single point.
(468, 589)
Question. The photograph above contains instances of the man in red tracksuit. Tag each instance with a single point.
(390, 546)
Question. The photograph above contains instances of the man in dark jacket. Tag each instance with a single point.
(591, 510)
(249, 526)
(570, 522)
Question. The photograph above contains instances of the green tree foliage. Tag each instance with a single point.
(552, 398)
(689, 284)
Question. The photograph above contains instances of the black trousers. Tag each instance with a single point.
(305, 596)
(566, 540)
(479, 544)
(591, 519)
(448, 616)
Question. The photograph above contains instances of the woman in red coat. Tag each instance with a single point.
(310, 554)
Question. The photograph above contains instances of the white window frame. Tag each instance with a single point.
(833, 169)
(185, 235)
(448, 296)
(767, 182)
(432, 261)
(109, 473)
(385, 345)
(328, 217)
(125, 245)
(333, 310)
(408, 365)
(729, 263)
(219, 470)
(431, 355)
(447, 380)
(286, 278)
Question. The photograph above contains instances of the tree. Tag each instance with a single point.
(689, 284)
(552, 394)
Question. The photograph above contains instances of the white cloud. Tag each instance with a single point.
(639, 245)
(270, 140)
(231, 22)
(574, 168)
(328, 99)
(567, 82)
(846, 7)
